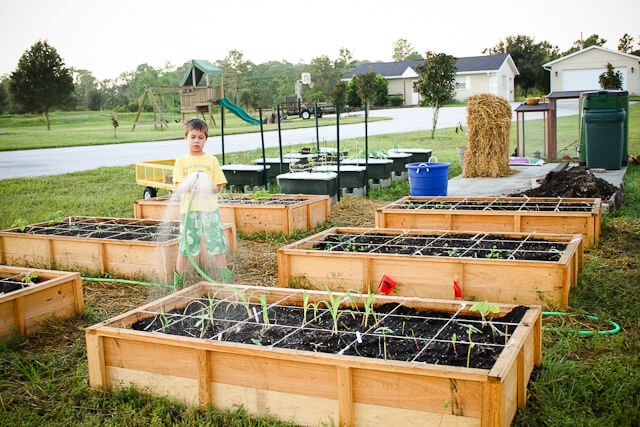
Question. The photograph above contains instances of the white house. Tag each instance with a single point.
(580, 70)
(474, 74)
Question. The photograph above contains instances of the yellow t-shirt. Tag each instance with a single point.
(207, 164)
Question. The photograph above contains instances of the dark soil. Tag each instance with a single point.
(573, 182)
(108, 230)
(265, 201)
(480, 245)
(392, 331)
(497, 205)
(11, 284)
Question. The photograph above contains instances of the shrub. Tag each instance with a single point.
(395, 100)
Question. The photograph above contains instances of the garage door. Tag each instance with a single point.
(587, 79)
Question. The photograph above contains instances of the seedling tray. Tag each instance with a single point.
(123, 247)
(522, 268)
(24, 305)
(300, 369)
(520, 214)
(278, 213)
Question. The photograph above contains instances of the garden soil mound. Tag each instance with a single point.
(573, 182)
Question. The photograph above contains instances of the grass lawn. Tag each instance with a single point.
(68, 129)
(584, 381)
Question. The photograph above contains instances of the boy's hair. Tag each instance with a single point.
(197, 124)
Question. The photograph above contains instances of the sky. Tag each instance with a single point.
(115, 36)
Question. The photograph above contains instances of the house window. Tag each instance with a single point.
(462, 82)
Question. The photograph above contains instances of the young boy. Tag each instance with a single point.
(204, 231)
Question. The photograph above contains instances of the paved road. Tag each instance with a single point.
(54, 161)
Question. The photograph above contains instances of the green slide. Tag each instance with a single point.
(238, 111)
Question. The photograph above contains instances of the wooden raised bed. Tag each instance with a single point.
(97, 245)
(520, 214)
(426, 263)
(52, 293)
(308, 387)
(279, 213)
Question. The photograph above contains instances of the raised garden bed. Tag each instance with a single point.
(404, 364)
(521, 214)
(277, 213)
(98, 245)
(28, 296)
(520, 268)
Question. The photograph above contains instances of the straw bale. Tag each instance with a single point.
(489, 121)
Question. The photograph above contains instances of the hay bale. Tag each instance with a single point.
(489, 121)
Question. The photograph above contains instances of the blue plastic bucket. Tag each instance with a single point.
(428, 179)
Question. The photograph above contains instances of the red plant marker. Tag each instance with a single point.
(456, 290)
(386, 284)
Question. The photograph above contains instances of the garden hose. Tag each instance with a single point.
(189, 255)
(129, 282)
(615, 330)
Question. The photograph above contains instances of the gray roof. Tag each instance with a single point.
(395, 69)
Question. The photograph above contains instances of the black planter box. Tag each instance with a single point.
(308, 183)
(242, 175)
(399, 160)
(417, 154)
(350, 176)
(376, 169)
(274, 163)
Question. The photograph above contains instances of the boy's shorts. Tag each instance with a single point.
(206, 224)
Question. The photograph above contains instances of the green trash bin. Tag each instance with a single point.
(604, 138)
(606, 100)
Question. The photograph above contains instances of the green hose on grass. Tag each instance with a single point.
(614, 330)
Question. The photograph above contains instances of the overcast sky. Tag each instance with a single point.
(111, 37)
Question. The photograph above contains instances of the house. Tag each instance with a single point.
(474, 74)
(580, 70)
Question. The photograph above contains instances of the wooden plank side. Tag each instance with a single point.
(383, 416)
(59, 301)
(275, 375)
(28, 252)
(338, 273)
(7, 319)
(95, 360)
(299, 409)
(175, 387)
(345, 396)
(133, 355)
(420, 393)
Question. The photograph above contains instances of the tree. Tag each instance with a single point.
(41, 81)
(339, 96)
(625, 44)
(4, 98)
(436, 82)
(610, 79)
(366, 86)
(236, 72)
(404, 51)
(528, 57)
(592, 40)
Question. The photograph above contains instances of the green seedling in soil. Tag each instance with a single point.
(452, 252)
(333, 304)
(261, 195)
(415, 340)
(28, 278)
(384, 331)
(20, 224)
(367, 305)
(305, 307)
(484, 308)
(470, 330)
(256, 341)
(265, 312)
(454, 338)
(164, 321)
(242, 299)
(494, 253)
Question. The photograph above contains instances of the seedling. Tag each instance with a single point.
(242, 298)
(484, 308)
(28, 278)
(265, 312)
(333, 304)
(367, 304)
(256, 341)
(53, 217)
(164, 321)
(454, 338)
(452, 252)
(305, 307)
(384, 331)
(494, 253)
(470, 330)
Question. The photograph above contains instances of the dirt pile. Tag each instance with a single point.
(573, 182)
